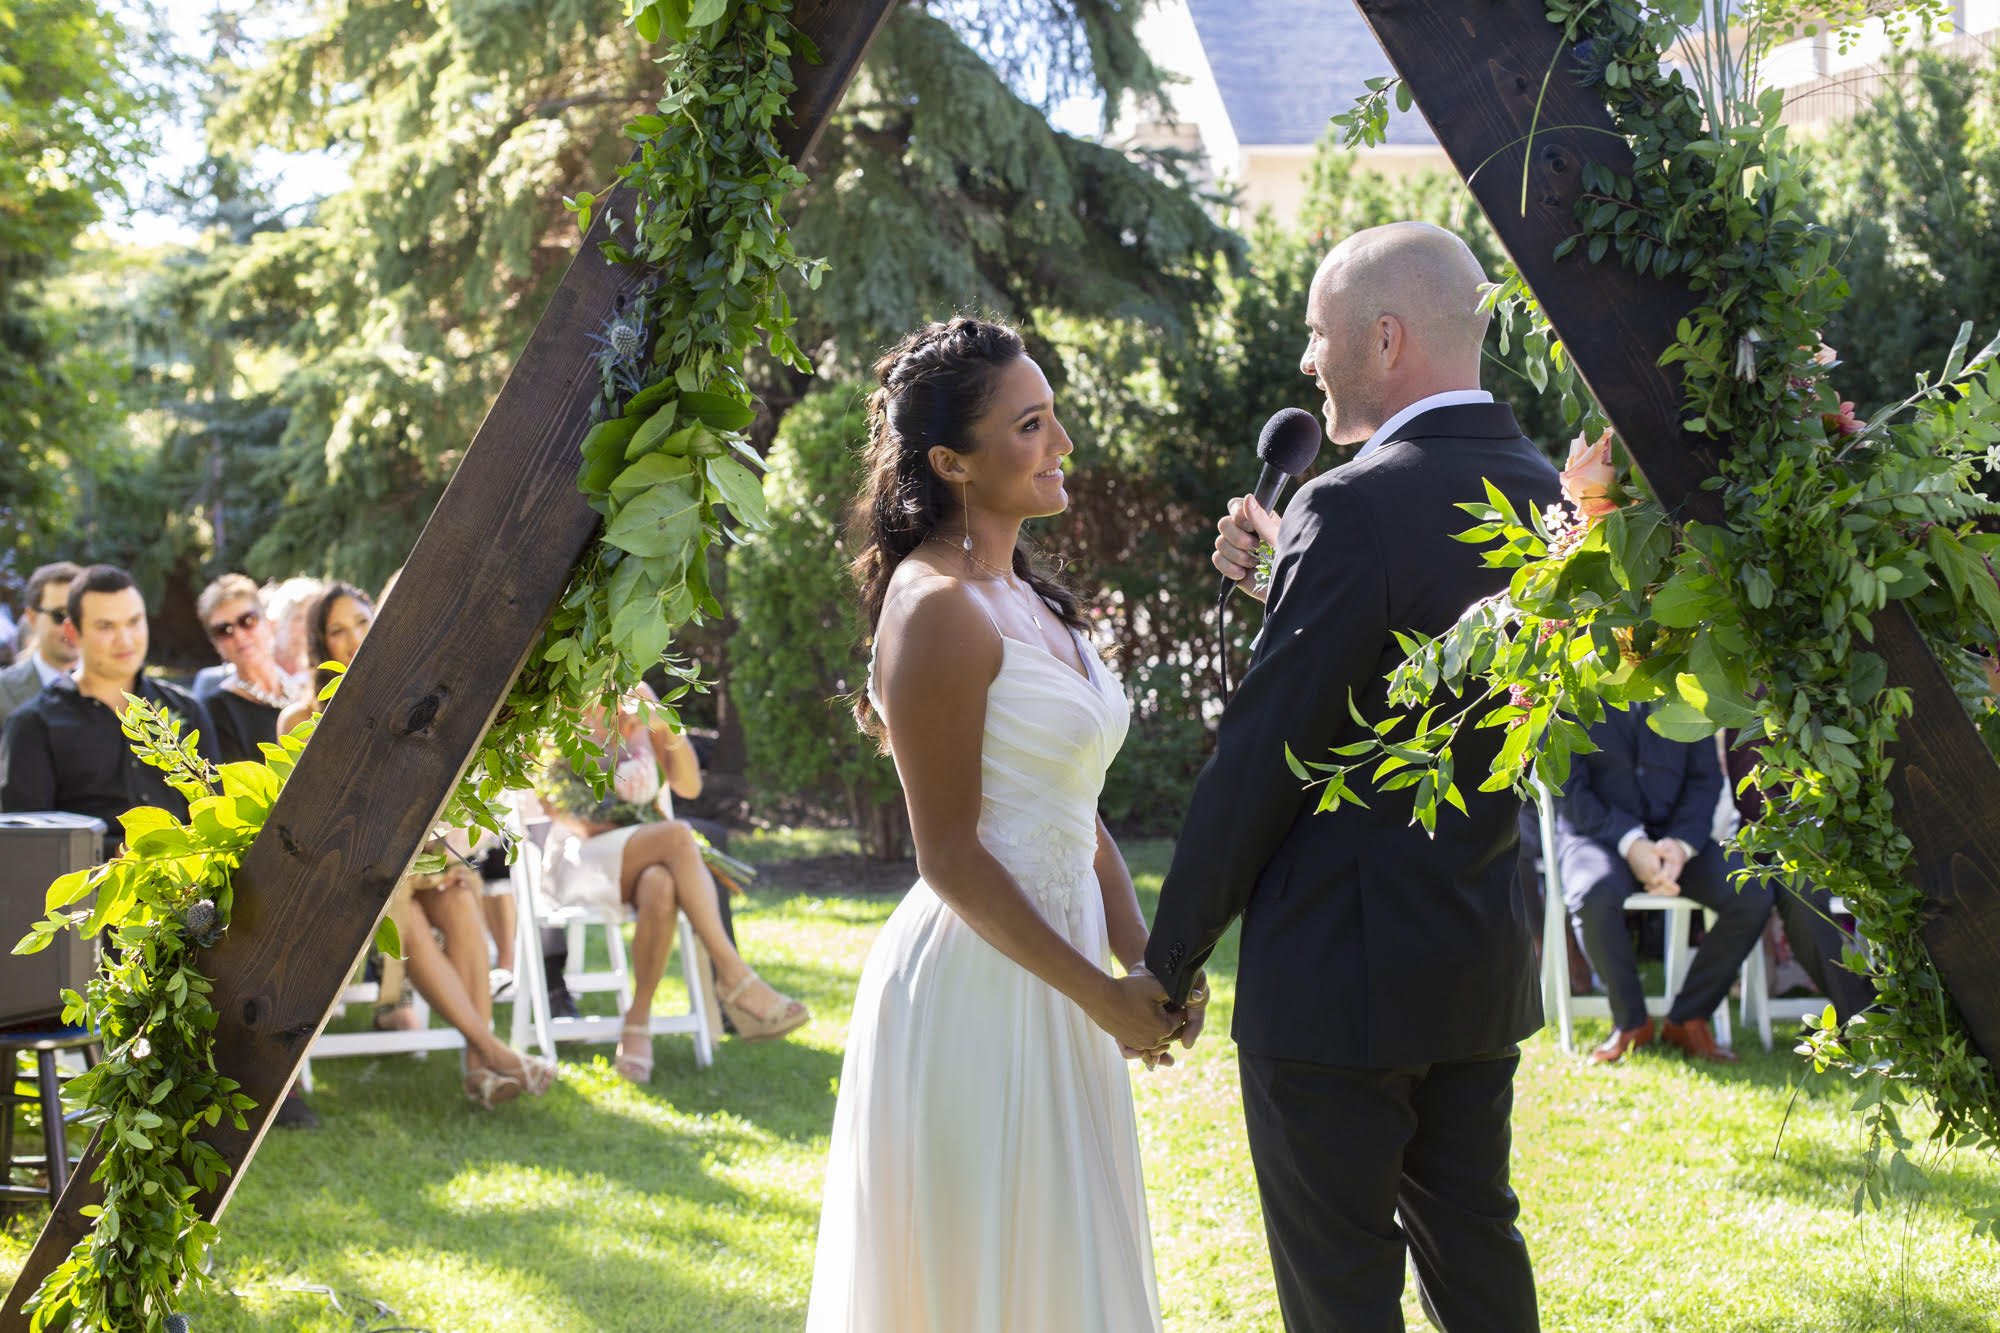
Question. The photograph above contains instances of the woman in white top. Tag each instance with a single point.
(627, 848)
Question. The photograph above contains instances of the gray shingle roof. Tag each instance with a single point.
(1284, 66)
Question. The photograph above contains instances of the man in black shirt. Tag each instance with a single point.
(64, 747)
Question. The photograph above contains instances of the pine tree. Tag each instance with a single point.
(411, 291)
(69, 123)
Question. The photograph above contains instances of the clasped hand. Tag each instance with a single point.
(1657, 865)
(1146, 1023)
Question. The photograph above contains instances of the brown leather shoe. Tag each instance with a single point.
(1621, 1041)
(1697, 1038)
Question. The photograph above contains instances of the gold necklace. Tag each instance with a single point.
(1005, 575)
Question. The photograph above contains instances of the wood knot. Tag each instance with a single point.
(253, 1010)
(290, 844)
(1555, 159)
(423, 713)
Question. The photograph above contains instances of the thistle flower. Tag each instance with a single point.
(625, 338)
(202, 923)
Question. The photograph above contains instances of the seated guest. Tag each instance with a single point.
(1817, 940)
(1637, 815)
(245, 696)
(622, 849)
(286, 602)
(336, 623)
(46, 652)
(65, 750)
(453, 979)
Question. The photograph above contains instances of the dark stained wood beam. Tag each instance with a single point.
(485, 574)
(1477, 70)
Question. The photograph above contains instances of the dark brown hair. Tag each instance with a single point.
(61, 571)
(316, 617)
(933, 385)
(98, 578)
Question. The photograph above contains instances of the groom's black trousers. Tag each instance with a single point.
(1343, 1155)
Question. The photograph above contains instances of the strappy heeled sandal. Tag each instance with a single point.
(538, 1073)
(788, 1016)
(489, 1087)
(635, 1068)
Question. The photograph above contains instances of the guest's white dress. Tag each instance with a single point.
(984, 1173)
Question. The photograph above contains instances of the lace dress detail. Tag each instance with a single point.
(984, 1171)
(1049, 862)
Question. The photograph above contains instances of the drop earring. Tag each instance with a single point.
(965, 512)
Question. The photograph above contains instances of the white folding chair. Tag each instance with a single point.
(536, 911)
(1679, 923)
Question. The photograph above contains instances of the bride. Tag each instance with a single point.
(984, 1171)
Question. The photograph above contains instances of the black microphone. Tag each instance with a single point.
(1288, 444)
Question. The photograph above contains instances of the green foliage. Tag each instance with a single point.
(670, 456)
(69, 123)
(162, 899)
(1766, 622)
(797, 654)
(942, 190)
(1907, 185)
(402, 300)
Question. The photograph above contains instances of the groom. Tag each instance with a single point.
(1385, 975)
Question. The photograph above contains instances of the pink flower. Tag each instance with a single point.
(1825, 356)
(1518, 696)
(1843, 422)
(1589, 475)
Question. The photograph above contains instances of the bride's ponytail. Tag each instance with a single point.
(931, 387)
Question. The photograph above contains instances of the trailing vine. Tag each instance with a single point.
(165, 897)
(669, 455)
(1763, 623)
(664, 464)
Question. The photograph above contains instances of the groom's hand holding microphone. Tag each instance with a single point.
(1241, 535)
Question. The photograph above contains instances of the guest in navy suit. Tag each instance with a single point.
(1637, 816)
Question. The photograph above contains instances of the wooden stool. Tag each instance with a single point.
(55, 1160)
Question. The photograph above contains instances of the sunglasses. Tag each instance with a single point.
(246, 622)
(58, 615)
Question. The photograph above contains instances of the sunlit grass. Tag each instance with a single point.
(1657, 1195)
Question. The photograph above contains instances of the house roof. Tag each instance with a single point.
(1284, 66)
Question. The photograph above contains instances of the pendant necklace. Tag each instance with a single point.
(1006, 575)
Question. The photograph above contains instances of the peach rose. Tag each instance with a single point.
(1589, 476)
(1843, 422)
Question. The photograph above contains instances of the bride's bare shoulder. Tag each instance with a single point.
(935, 616)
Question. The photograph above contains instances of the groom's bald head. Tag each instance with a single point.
(1394, 313)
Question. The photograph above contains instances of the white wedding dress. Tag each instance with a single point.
(984, 1174)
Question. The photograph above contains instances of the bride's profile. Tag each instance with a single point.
(984, 1170)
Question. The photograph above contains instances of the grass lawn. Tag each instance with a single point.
(1657, 1195)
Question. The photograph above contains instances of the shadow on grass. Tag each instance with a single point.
(597, 1207)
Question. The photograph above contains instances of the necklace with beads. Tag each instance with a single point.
(237, 683)
(1005, 575)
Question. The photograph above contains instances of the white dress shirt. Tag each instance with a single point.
(44, 670)
(1449, 398)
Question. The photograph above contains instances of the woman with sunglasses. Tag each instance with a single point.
(245, 695)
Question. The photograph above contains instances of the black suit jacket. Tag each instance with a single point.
(1365, 942)
(1639, 779)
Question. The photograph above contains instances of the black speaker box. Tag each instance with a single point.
(36, 849)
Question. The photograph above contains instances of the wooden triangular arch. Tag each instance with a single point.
(497, 552)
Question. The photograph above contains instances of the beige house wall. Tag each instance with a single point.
(1274, 176)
